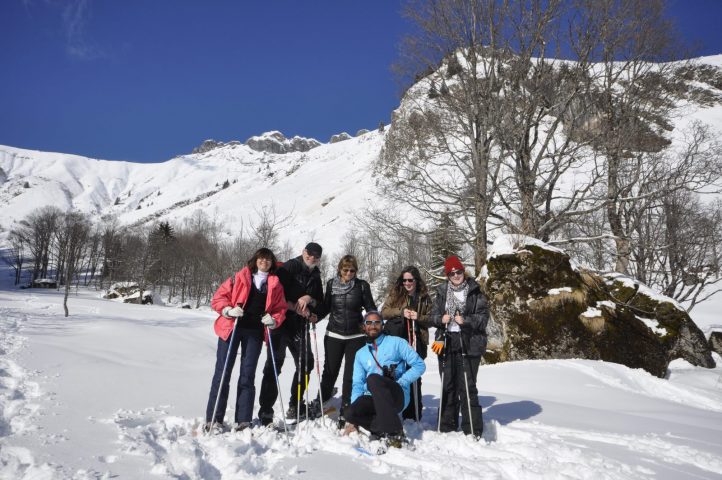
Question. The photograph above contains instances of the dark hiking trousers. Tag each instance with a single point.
(453, 399)
(410, 410)
(297, 342)
(378, 412)
(336, 350)
(250, 342)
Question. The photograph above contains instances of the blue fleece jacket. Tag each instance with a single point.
(388, 351)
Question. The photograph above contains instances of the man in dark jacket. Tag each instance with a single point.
(301, 280)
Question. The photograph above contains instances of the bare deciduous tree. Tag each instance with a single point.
(76, 228)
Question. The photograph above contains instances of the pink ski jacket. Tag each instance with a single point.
(230, 294)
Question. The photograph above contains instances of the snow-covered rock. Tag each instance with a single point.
(276, 142)
(340, 137)
(545, 307)
(208, 145)
(715, 342)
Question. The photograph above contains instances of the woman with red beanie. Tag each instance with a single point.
(460, 313)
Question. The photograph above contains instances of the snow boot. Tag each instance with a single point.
(241, 426)
(217, 427)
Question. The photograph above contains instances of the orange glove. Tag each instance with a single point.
(437, 347)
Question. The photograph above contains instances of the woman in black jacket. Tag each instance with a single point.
(460, 314)
(406, 315)
(346, 296)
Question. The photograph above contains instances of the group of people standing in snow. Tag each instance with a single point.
(383, 352)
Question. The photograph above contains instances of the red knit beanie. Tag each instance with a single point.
(452, 263)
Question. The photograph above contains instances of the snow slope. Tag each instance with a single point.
(115, 390)
(314, 192)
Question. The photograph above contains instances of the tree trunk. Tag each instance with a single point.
(614, 217)
(68, 275)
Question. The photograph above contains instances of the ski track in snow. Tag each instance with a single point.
(18, 403)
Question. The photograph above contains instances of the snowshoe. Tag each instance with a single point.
(214, 428)
(241, 426)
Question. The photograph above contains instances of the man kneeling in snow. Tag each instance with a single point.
(383, 371)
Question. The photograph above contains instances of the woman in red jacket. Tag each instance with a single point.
(249, 301)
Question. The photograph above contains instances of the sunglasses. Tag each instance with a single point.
(372, 322)
(348, 270)
(408, 280)
(454, 273)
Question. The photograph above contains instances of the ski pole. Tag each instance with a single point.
(278, 383)
(318, 373)
(466, 380)
(299, 368)
(443, 370)
(416, 382)
(305, 362)
(223, 377)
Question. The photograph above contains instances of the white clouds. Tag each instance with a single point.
(75, 17)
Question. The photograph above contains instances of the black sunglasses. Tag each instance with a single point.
(348, 270)
(408, 280)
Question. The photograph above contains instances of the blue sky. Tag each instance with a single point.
(145, 80)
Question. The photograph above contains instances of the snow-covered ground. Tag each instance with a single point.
(115, 391)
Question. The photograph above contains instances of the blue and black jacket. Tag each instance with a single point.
(386, 351)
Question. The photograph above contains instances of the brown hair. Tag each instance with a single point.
(262, 253)
(345, 262)
(397, 295)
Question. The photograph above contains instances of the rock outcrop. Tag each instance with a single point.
(343, 136)
(211, 144)
(276, 142)
(544, 307)
(128, 292)
(715, 342)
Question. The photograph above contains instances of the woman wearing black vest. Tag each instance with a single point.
(346, 297)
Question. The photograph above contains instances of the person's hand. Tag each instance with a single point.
(232, 312)
(303, 303)
(445, 319)
(268, 321)
(410, 314)
(313, 318)
(437, 347)
(304, 312)
(459, 320)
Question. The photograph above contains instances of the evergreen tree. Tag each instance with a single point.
(433, 92)
(162, 241)
(445, 241)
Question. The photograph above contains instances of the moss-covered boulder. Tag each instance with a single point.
(715, 342)
(680, 335)
(544, 307)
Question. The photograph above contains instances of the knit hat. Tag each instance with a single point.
(452, 263)
(314, 249)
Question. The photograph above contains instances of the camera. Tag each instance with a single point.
(389, 371)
